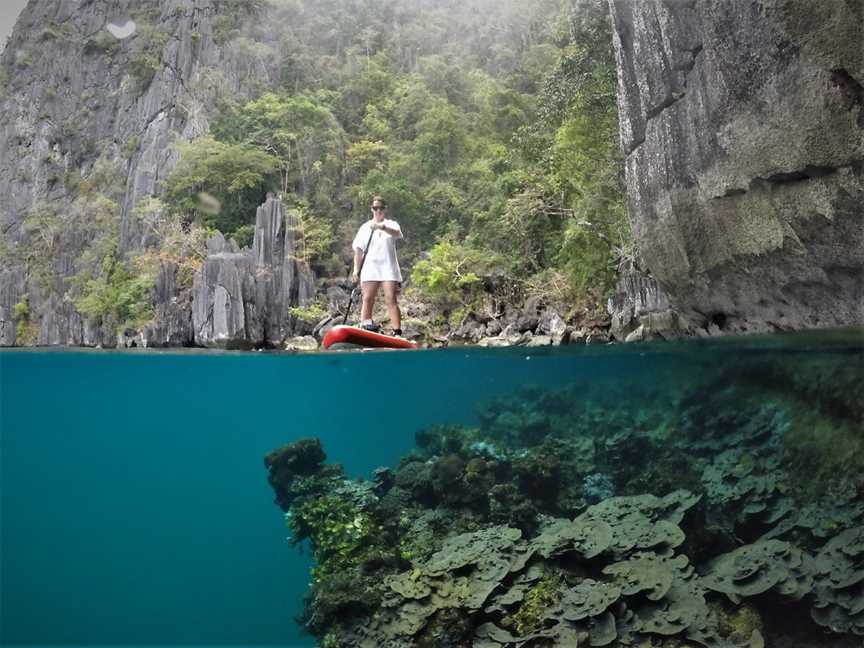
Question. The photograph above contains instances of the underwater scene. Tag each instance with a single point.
(695, 493)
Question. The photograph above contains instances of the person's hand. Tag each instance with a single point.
(355, 277)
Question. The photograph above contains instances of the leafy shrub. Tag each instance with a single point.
(234, 13)
(311, 314)
(219, 185)
(244, 235)
(146, 56)
(314, 235)
(176, 242)
(102, 43)
(587, 259)
(120, 296)
(453, 273)
(26, 331)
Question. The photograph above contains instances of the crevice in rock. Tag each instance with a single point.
(689, 65)
(663, 105)
(852, 90)
(636, 143)
(806, 173)
(735, 191)
(164, 110)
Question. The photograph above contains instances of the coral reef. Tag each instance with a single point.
(537, 527)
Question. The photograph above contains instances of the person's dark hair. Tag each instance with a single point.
(380, 200)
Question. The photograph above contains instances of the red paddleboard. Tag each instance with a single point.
(353, 337)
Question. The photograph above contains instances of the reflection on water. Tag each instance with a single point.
(699, 493)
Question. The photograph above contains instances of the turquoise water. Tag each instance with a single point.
(135, 506)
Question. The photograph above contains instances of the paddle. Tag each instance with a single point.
(359, 270)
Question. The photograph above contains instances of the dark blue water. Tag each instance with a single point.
(135, 506)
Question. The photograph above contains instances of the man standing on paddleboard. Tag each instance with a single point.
(380, 268)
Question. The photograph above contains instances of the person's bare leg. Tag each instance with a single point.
(392, 306)
(370, 290)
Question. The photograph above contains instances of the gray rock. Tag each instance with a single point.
(597, 337)
(742, 129)
(172, 325)
(637, 297)
(301, 343)
(539, 340)
(245, 295)
(11, 291)
(470, 330)
(94, 103)
(552, 324)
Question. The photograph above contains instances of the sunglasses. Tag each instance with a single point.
(377, 208)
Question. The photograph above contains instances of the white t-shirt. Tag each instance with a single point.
(381, 263)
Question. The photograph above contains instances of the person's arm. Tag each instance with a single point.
(358, 259)
(395, 232)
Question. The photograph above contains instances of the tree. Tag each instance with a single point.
(219, 185)
(295, 130)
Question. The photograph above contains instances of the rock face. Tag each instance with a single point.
(743, 129)
(120, 79)
(245, 295)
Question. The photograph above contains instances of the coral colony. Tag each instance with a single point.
(722, 514)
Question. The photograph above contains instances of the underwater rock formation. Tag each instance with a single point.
(741, 123)
(536, 528)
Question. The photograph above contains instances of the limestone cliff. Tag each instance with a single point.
(743, 128)
(117, 80)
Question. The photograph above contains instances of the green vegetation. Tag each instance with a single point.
(131, 146)
(313, 234)
(491, 130)
(182, 244)
(310, 315)
(452, 273)
(234, 12)
(145, 59)
(119, 295)
(82, 235)
(217, 184)
(26, 330)
(102, 43)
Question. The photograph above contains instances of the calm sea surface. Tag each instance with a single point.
(135, 505)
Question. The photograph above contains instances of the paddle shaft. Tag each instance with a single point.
(359, 270)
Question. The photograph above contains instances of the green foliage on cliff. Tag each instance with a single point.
(102, 43)
(119, 295)
(183, 245)
(313, 235)
(233, 12)
(218, 184)
(26, 330)
(452, 274)
(490, 128)
(145, 59)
